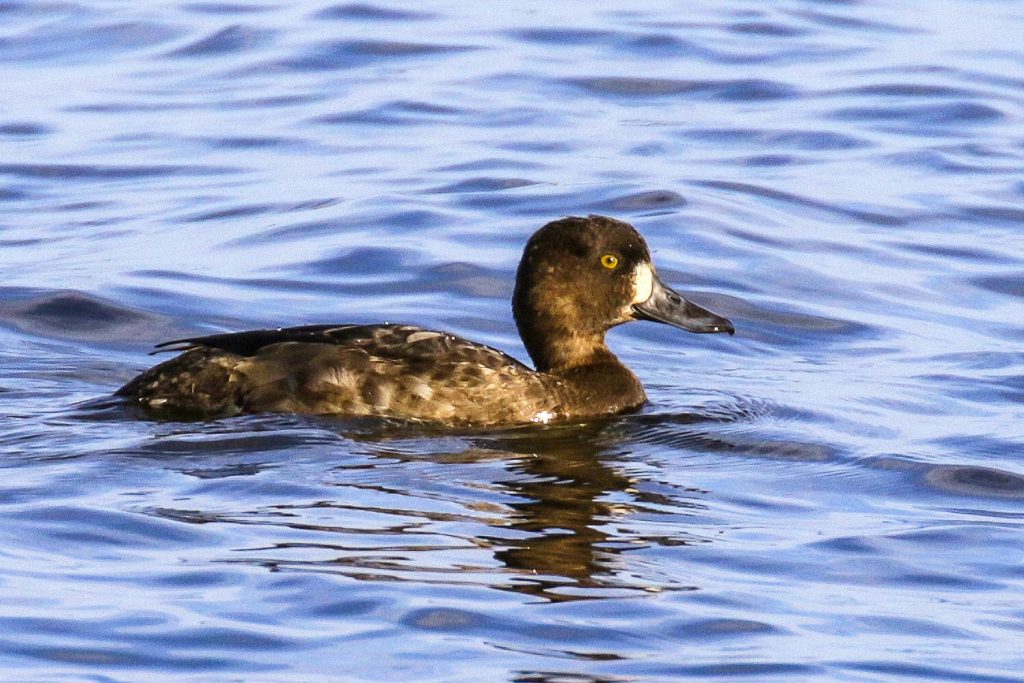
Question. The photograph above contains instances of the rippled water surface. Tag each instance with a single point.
(835, 493)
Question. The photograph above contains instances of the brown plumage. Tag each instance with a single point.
(578, 277)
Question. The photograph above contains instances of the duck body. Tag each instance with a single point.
(371, 370)
(578, 277)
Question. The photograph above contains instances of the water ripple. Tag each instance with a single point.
(348, 54)
(228, 40)
(728, 91)
(841, 179)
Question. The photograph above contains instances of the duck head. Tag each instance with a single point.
(579, 277)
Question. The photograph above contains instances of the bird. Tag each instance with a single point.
(578, 277)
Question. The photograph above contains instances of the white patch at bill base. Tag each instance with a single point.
(643, 282)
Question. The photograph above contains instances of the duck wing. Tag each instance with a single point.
(391, 342)
(250, 342)
(382, 370)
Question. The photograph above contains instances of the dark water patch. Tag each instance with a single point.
(91, 172)
(908, 90)
(720, 629)
(254, 142)
(467, 279)
(654, 45)
(520, 117)
(871, 217)
(746, 670)
(1011, 284)
(998, 215)
(12, 195)
(419, 113)
(399, 112)
(492, 164)
(578, 635)
(833, 21)
(740, 90)
(769, 449)
(941, 161)
(82, 658)
(348, 54)
(75, 41)
(563, 36)
(114, 531)
(15, 7)
(848, 545)
(368, 12)
(981, 360)
(19, 242)
(227, 8)
(975, 481)
(126, 107)
(24, 129)
(646, 44)
(363, 261)
(232, 39)
(980, 390)
(767, 28)
(922, 628)
(769, 160)
(88, 205)
(814, 140)
(228, 103)
(652, 200)
(74, 315)
(928, 116)
(963, 254)
(484, 184)
(218, 638)
(231, 213)
(381, 223)
(270, 101)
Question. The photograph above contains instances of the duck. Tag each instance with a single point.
(578, 278)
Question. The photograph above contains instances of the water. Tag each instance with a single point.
(836, 493)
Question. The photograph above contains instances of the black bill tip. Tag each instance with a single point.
(667, 306)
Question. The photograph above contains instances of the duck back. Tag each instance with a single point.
(356, 370)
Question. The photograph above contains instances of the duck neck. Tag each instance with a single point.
(593, 379)
(583, 365)
(568, 350)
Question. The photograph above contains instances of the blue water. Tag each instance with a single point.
(836, 493)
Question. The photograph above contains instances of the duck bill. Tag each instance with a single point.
(665, 305)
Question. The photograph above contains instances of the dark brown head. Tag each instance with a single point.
(581, 276)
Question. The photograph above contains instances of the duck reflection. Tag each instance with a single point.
(564, 502)
(573, 504)
(556, 507)
(569, 491)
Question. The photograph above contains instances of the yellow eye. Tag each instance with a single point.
(610, 261)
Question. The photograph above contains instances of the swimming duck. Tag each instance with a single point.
(578, 278)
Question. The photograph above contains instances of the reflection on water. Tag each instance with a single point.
(833, 494)
(567, 495)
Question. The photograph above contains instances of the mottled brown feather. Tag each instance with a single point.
(380, 370)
